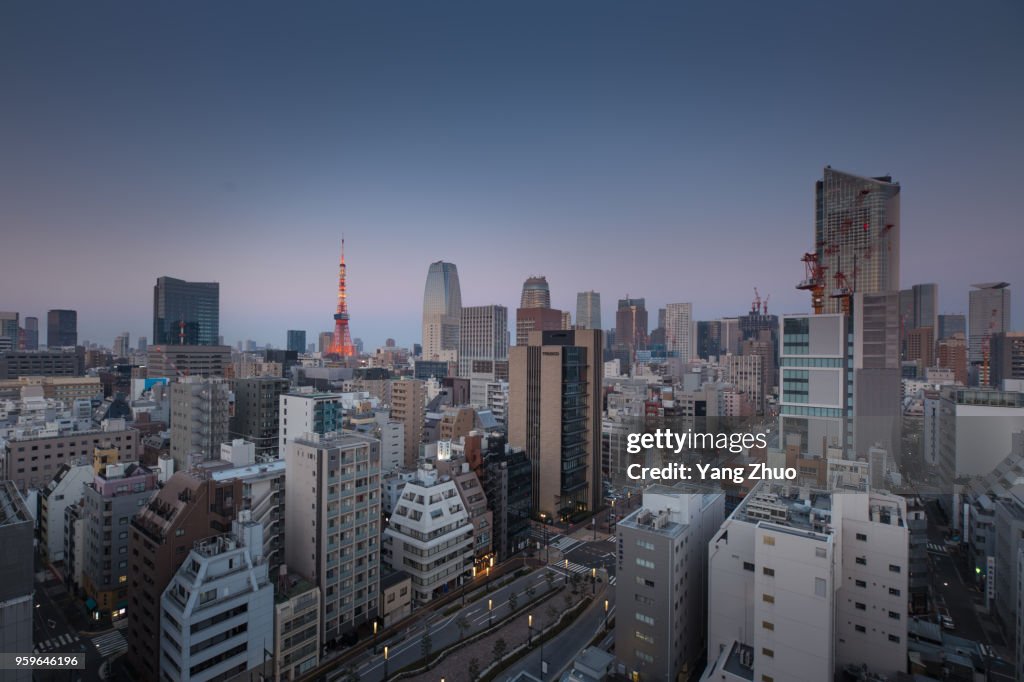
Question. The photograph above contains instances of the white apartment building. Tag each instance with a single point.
(969, 431)
(679, 330)
(809, 582)
(661, 581)
(218, 610)
(332, 528)
(303, 412)
(429, 535)
(65, 489)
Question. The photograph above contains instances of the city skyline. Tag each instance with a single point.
(634, 145)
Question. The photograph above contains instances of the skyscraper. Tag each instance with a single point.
(949, 325)
(61, 328)
(536, 293)
(630, 329)
(857, 233)
(679, 330)
(9, 330)
(442, 310)
(185, 313)
(989, 313)
(588, 310)
(483, 348)
(31, 334)
(554, 413)
(297, 340)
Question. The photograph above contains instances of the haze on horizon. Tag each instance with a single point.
(657, 150)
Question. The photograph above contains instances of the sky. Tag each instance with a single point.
(663, 150)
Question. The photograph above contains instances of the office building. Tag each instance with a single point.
(679, 331)
(10, 331)
(297, 340)
(588, 310)
(66, 363)
(554, 414)
(257, 413)
(409, 407)
(64, 389)
(950, 325)
(631, 324)
(429, 536)
(177, 361)
(64, 490)
(662, 581)
(427, 369)
(109, 502)
(308, 412)
(989, 313)
(324, 341)
(200, 416)
(30, 334)
(920, 347)
(536, 293)
(857, 232)
(810, 582)
(483, 349)
(188, 508)
(218, 610)
(709, 339)
(442, 311)
(970, 431)
(508, 484)
(186, 313)
(746, 374)
(332, 528)
(536, 319)
(1006, 359)
(61, 328)
(143, 344)
(951, 353)
(16, 578)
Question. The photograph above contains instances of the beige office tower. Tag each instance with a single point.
(554, 414)
(857, 233)
(442, 310)
(408, 406)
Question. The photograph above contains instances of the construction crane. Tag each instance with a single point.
(814, 281)
(764, 307)
(755, 306)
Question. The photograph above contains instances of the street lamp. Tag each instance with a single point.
(567, 572)
(385, 663)
(593, 580)
(488, 578)
(490, 612)
(529, 624)
(606, 615)
(374, 635)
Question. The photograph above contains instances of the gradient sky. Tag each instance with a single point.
(659, 149)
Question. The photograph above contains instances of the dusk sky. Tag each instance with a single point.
(658, 149)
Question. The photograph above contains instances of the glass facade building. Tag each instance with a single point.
(186, 313)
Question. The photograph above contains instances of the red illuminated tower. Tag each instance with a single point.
(342, 344)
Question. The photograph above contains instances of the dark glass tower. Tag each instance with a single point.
(61, 328)
(186, 313)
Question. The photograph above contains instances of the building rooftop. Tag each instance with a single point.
(13, 509)
(741, 661)
(800, 508)
(393, 578)
(290, 586)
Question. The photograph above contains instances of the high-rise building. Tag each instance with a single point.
(143, 344)
(61, 328)
(428, 537)
(536, 319)
(631, 324)
(950, 325)
(257, 413)
(109, 501)
(483, 348)
(508, 483)
(554, 414)
(122, 345)
(185, 313)
(200, 413)
(16, 578)
(989, 314)
(952, 354)
(30, 334)
(218, 610)
(408, 406)
(10, 331)
(177, 361)
(662, 581)
(971, 430)
(442, 311)
(307, 412)
(857, 233)
(332, 529)
(324, 342)
(920, 343)
(679, 328)
(188, 508)
(805, 583)
(709, 339)
(1007, 357)
(536, 293)
(297, 340)
(588, 310)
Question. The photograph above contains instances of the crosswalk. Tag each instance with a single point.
(938, 549)
(58, 644)
(574, 568)
(564, 544)
(110, 643)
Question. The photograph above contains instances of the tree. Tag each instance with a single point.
(500, 647)
(512, 599)
(426, 645)
(462, 623)
(474, 669)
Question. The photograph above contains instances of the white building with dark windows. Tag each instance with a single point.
(218, 610)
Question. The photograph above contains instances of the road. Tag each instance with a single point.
(53, 634)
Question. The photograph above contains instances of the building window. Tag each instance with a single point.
(862, 561)
(860, 628)
(643, 618)
(768, 599)
(770, 572)
(644, 656)
(894, 568)
(768, 540)
(747, 566)
(820, 552)
(861, 583)
(767, 678)
(768, 626)
(894, 615)
(894, 638)
(644, 563)
(862, 537)
(768, 652)
(643, 544)
(643, 637)
(860, 606)
(820, 587)
(894, 592)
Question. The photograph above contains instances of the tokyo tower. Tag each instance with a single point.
(342, 344)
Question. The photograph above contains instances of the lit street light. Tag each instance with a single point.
(385, 663)
(529, 624)
(490, 612)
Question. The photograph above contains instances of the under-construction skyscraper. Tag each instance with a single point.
(342, 344)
